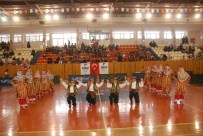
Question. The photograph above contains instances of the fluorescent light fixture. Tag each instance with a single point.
(56, 17)
(16, 18)
(148, 15)
(138, 15)
(197, 16)
(179, 16)
(106, 16)
(168, 16)
(89, 16)
(4, 19)
(47, 17)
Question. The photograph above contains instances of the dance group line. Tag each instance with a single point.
(157, 80)
(31, 87)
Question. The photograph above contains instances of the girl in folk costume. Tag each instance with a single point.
(92, 89)
(167, 75)
(153, 78)
(134, 88)
(19, 83)
(50, 78)
(45, 84)
(37, 83)
(115, 89)
(72, 91)
(159, 79)
(30, 86)
(147, 77)
(182, 78)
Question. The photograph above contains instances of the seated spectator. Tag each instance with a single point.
(1, 63)
(44, 55)
(6, 74)
(49, 60)
(33, 52)
(165, 57)
(153, 44)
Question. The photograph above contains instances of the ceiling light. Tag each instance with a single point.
(47, 17)
(4, 19)
(56, 17)
(105, 15)
(197, 16)
(168, 16)
(148, 15)
(178, 16)
(16, 18)
(138, 15)
(89, 16)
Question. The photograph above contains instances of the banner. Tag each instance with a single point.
(103, 68)
(94, 68)
(120, 77)
(85, 68)
(84, 77)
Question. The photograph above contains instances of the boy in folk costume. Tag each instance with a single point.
(167, 75)
(19, 83)
(92, 89)
(134, 88)
(37, 83)
(182, 78)
(72, 89)
(50, 78)
(30, 86)
(115, 89)
(147, 77)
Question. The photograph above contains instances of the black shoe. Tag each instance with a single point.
(111, 103)
(69, 105)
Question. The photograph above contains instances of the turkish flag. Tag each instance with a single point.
(94, 68)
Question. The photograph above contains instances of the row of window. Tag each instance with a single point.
(61, 39)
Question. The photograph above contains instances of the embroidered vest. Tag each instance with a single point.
(94, 87)
(115, 88)
(137, 87)
(75, 90)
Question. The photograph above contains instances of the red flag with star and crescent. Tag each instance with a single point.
(94, 68)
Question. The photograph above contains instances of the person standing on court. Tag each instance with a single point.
(134, 88)
(115, 89)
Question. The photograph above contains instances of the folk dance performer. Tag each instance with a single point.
(153, 78)
(30, 86)
(19, 83)
(147, 77)
(72, 91)
(45, 84)
(37, 82)
(50, 78)
(159, 79)
(134, 88)
(182, 78)
(167, 75)
(115, 89)
(92, 89)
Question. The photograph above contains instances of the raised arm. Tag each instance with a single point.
(100, 84)
(108, 85)
(121, 85)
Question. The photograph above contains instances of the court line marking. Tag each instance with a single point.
(195, 108)
(94, 130)
(5, 90)
(103, 115)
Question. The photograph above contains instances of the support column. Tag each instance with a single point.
(173, 35)
(110, 36)
(24, 42)
(44, 44)
(50, 40)
(143, 36)
(11, 41)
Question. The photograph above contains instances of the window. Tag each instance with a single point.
(179, 34)
(123, 35)
(61, 39)
(168, 35)
(152, 34)
(34, 37)
(47, 37)
(17, 37)
(85, 36)
(5, 38)
(139, 35)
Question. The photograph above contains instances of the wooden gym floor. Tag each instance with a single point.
(154, 116)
